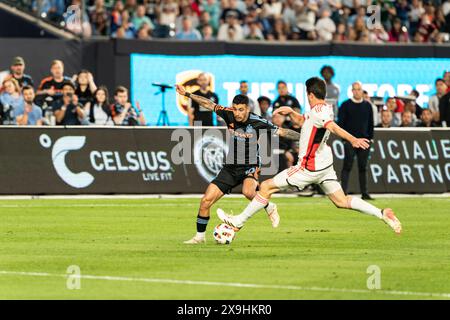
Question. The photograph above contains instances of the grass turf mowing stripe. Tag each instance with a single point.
(226, 284)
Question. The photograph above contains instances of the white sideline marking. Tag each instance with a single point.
(227, 284)
(87, 205)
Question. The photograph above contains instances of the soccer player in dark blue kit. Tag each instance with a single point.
(242, 164)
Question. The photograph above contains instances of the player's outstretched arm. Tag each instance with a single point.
(288, 134)
(296, 117)
(204, 102)
(362, 143)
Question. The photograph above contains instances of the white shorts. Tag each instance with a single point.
(298, 177)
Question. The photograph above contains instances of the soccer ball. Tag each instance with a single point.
(224, 234)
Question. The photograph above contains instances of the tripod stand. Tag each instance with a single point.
(163, 118)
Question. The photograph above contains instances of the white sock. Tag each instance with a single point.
(253, 207)
(200, 235)
(269, 207)
(365, 207)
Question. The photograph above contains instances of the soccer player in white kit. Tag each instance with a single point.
(315, 164)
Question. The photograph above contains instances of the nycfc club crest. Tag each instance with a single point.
(209, 156)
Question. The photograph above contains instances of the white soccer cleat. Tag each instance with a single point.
(391, 220)
(229, 220)
(195, 240)
(272, 214)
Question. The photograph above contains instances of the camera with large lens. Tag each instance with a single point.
(70, 96)
(7, 114)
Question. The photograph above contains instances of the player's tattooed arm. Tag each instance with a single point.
(204, 102)
(288, 134)
(296, 118)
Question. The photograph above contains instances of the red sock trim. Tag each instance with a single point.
(261, 199)
(349, 202)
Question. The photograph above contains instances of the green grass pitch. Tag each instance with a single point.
(318, 252)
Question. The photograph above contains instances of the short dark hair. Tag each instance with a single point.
(264, 98)
(415, 92)
(317, 87)
(327, 67)
(68, 83)
(243, 81)
(120, 89)
(27, 87)
(281, 82)
(240, 99)
(439, 80)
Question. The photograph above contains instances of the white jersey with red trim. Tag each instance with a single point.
(314, 153)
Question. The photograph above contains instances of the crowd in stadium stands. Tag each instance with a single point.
(236, 20)
(62, 100)
(77, 100)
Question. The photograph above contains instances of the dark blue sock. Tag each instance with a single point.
(202, 222)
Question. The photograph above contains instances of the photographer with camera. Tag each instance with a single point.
(67, 110)
(123, 112)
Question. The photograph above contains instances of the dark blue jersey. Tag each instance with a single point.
(244, 148)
